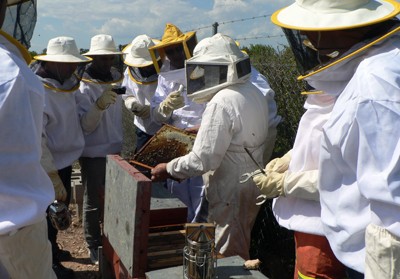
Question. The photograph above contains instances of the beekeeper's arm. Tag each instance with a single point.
(48, 165)
(279, 181)
(91, 118)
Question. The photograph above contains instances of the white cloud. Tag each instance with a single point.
(124, 20)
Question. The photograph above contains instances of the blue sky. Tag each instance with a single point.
(246, 21)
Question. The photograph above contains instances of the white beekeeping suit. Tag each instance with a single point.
(140, 80)
(236, 116)
(366, 161)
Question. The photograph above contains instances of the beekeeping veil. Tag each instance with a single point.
(17, 29)
(61, 50)
(20, 20)
(139, 61)
(173, 36)
(334, 15)
(217, 63)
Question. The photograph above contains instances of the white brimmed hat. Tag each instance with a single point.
(137, 52)
(102, 45)
(329, 15)
(62, 49)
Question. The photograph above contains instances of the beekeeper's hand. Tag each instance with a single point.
(270, 184)
(132, 104)
(59, 189)
(106, 99)
(173, 101)
(159, 172)
(279, 164)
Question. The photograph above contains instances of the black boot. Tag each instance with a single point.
(62, 272)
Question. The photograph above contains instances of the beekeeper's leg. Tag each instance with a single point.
(198, 200)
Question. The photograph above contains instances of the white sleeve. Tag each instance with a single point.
(378, 166)
(47, 160)
(212, 142)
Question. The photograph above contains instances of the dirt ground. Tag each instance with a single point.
(73, 241)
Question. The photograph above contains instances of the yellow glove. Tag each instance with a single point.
(59, 189)
(106, 99)
(279, 164)
(270, 184)
(173, 101)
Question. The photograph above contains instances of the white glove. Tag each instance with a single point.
(173, 101)
(106, 99)
(91, 119)
(59, 189)
(132, 104)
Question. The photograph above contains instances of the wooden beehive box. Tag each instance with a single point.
(141, 219)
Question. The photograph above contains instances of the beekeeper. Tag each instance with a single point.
(354, 46)
(236, 117)
(60, 71)
(25, 189)
(140, 80)
(172, 106)
(293, 178)
(99, 76)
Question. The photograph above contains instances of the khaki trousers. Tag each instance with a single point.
(27, 253)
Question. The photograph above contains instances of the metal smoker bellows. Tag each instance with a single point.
(199, 257)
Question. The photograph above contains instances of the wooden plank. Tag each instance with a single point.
(126, 216)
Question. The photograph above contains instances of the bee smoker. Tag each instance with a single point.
(199, 256)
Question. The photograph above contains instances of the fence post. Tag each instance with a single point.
(215, 28)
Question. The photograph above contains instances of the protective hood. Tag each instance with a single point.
(173, 36)
(217, 63)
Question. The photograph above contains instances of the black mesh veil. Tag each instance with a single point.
(309, 58)
(306, 58)
(20, 21)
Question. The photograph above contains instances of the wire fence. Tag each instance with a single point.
(272, 244)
